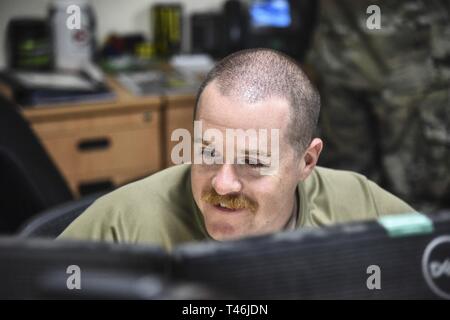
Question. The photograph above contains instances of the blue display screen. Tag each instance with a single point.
(270, 13)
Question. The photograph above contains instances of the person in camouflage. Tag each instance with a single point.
(386, 95)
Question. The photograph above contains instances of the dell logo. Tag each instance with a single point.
(438, 269)
(436, 266)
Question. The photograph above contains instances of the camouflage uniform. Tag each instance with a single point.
(386, 95)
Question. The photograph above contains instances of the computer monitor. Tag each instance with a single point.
(270, 13)
(284, 25)
(38, 268)
(48, 269)
(399, 257)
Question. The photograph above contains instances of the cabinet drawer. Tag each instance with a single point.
(107, 179)
(105, 150)
(88, 154)
(99, 124)
(177, 116)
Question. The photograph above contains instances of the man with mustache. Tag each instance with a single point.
(250, 90)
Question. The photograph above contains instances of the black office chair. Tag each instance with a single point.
(52, 222)
(29, 180)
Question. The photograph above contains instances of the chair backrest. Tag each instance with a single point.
(52, 222)
(29, 180)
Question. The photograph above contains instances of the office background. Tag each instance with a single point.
(84, 112)
(119, 16)
(385, 92)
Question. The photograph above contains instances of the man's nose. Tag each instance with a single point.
(226, 181)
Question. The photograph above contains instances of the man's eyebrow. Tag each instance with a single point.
(247, 152)
(257, 152)
(202, 141)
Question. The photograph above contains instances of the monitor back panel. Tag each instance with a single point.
(353, 261)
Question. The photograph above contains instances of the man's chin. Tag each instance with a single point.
(227, 232)
(223, 232)
(225, 238)
(223, 225)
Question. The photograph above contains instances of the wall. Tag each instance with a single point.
(112, 15)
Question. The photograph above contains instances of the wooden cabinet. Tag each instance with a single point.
(177, 113)
(111, 143)
(111, 148)
(103, 143)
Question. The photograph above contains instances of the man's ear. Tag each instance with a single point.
(310, 158)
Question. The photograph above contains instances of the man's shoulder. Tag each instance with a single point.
(172, 181)
(341, 181)
(165, 179)
(341, 196)
(337, 184)
(157, 209)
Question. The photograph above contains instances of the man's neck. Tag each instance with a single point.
(290, 225)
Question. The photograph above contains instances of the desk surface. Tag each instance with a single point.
(123, 102)
(147, 121)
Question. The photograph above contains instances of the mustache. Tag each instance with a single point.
(232, 201)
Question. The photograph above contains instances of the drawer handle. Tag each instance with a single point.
(94, 144)
(95, 186)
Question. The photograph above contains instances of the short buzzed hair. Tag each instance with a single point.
(257, 74)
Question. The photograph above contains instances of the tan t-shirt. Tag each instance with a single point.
(161, 210)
